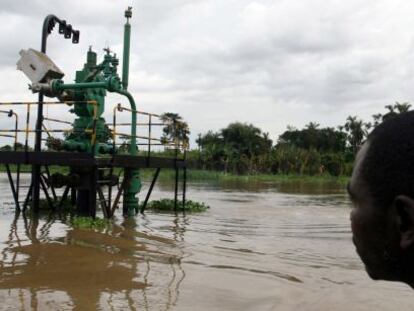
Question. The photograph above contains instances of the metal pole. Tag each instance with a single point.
(48, 25)
(176, 188)
(184, 178)
(149, 135)
(176, 168)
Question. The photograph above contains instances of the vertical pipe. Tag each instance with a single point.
(127, 43)
(130, 203)
(26, 142)
(16, 127)
(93, 138)
(48, 22)
(114, 132)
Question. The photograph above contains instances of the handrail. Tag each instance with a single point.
(145, 140)
(148, 140)
(11, 113)
(27, 130)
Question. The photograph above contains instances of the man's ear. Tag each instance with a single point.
(404, 212)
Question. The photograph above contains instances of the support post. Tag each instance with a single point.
(176, 189)
(184, 177)
(184, 185)
(13, 189)
(48, 198)
(86, 196)
(64, 196)
(105, 209)
(52, 188)
(154, 179)
(73, 196)
(28, 197)
(118, 196)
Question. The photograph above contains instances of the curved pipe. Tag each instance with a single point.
(133, 146)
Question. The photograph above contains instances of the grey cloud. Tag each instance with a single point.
(272, 63)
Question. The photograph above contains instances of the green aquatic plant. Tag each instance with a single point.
(166, 205)
(80, 222)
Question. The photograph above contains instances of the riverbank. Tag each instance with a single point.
(204, 175)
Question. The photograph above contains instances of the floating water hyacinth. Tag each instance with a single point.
(165, 205)
(89, 223)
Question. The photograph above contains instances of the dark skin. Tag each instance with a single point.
(383, 235)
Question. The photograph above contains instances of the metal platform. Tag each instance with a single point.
(88, 160)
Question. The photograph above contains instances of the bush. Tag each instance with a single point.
(334, 163)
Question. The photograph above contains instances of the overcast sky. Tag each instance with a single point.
(271, 63)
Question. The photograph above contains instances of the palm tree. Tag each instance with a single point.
(402, 107)
(395, 110)
(312, 126)
(175, 129)
(356, 130)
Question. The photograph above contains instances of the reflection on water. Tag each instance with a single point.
(46, 264)
(259, 247)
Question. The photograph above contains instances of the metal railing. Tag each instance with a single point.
(13, 133)
(148, 140)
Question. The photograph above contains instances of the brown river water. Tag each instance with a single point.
(260, 246)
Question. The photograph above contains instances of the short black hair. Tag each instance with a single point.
(388, 165)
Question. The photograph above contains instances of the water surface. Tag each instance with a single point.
(261, 246)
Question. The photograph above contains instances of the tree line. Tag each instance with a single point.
(242, 148)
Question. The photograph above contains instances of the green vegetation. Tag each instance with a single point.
(205, 175)
(243, 149)
(175, 129)
(167, 205)
(89, 223)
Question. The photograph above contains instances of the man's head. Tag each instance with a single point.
(382, 192)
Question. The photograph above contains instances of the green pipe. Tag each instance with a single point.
(60, 86)
(127, 43)
(133, 146)
(130, 204)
